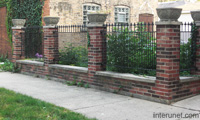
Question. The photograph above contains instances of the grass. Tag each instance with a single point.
(15, 106)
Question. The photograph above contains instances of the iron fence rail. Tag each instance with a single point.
(71, 28)
(131, 48)
(33, 41)
(188, 36)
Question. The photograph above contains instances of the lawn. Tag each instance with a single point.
(14, 106)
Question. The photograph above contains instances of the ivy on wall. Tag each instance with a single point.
(2, 3)
(31, 10)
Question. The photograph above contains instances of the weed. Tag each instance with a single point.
(47, 77)
(86, 85)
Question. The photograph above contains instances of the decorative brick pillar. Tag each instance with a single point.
(18, 44)
(96, 50)
(168, 57)
(197, 63)
(51, 53)
(196, 18)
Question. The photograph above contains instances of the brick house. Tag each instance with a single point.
(122, 11)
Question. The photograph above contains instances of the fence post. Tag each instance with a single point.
(96, 50)
(51, 53)
(168, 58)
(195, 16)
(18, 45)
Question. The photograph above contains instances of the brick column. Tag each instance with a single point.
(51, 53)
(18, 45)
(96, 51)
(168, 58)
(197, 62)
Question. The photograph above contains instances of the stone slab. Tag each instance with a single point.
(71, 68)
(31, 62)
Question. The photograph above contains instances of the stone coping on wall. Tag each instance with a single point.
(30, 62)
(147, 79)
(189, 79)
(71, 68)
(127, 76)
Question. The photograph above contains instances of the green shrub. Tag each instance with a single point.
(3, 58)
(9, 66)
(131, 51)
(188, 53)
(71, 55)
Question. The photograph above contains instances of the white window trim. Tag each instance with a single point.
(85, 22)
(116, 13)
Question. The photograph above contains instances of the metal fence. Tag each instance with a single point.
(73, 45)
(188, 35)
(131, 48)
(72, 28)
(33, 41)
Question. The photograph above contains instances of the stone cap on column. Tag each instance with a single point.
(51, 22)
(96, 19)
(18, 23)
(169, 16)
(196, 17)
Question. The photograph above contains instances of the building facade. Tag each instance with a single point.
(121, 11)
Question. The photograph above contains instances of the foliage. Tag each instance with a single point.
(185, 55)
(131, 51)
(72, 55)
(15, 106)
(3, 58)
(31, 10)
(78, 84)
(2, 3)
(188, 53)
(9, 66)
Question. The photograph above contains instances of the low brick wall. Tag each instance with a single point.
(68, 73)
(31, 67)
(125, 84)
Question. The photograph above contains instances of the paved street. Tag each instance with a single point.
(95, 103)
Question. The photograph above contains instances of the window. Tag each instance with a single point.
(121, 14)
(89, 8)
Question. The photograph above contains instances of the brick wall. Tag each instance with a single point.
(5, 46)
(133, 87)
(46, 10)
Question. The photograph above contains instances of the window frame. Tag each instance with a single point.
(85, 11)
(121, 10)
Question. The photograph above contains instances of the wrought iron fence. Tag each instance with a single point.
(71, 28)
(131, 48)
(188, 34)
(73, 45)
(33, 41)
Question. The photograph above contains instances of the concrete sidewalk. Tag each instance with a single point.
(94, 103)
